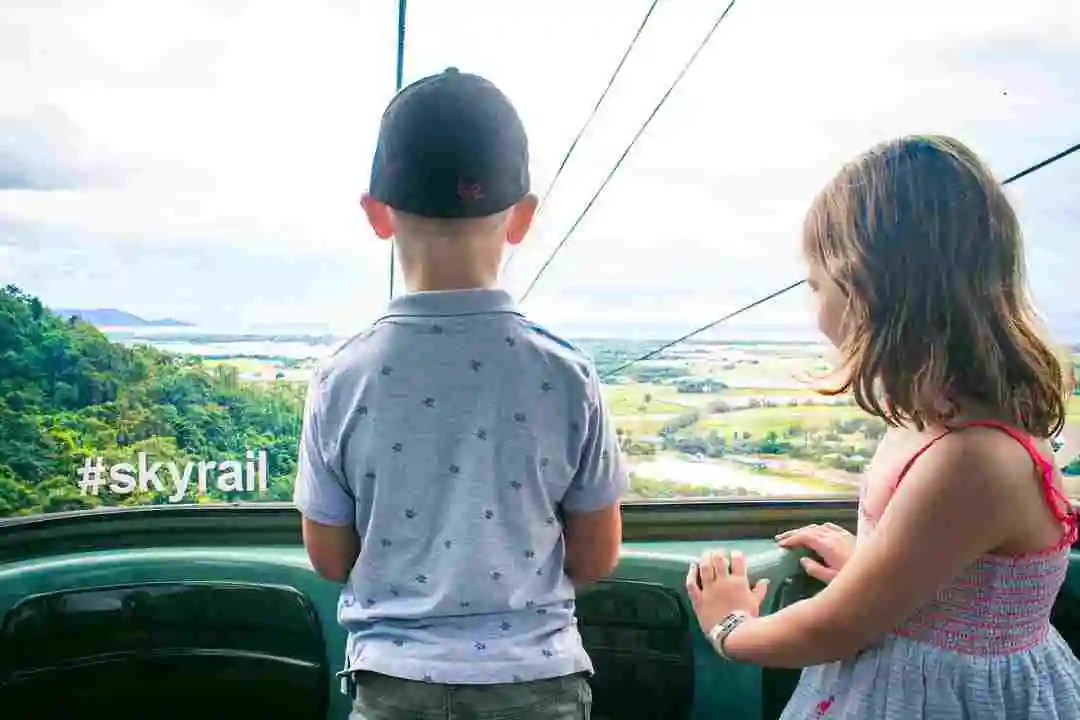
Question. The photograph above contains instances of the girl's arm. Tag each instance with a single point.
(953, 506)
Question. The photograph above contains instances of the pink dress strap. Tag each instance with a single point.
(918, 454)
(1055, 499)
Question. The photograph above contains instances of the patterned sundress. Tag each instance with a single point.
(982, 649)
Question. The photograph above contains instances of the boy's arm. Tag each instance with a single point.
(324, 499)
(592, 522)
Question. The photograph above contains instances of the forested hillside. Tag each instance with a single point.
(68, 393)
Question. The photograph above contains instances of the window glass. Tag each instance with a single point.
(181, 240)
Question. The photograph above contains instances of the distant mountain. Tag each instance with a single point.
(110, 317)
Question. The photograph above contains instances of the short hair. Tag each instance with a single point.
(416, 226)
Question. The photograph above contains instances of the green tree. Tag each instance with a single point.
(67, 393)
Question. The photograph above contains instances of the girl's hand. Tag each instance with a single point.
(831, 542)
(722, 590)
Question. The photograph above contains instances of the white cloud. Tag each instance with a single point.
(242, 133)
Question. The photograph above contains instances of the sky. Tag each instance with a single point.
(204, 160)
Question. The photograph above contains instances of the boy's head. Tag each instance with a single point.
(450, 179)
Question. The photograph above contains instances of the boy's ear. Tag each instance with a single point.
(520, 220)
(379, 216)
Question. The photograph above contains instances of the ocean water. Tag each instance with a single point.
(317, 342)
(313, 340)
(263, 342)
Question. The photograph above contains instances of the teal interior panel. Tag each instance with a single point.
(733, 689)
(720, 689)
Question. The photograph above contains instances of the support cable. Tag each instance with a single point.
(588, 120)
(397, 88)
(618, 163)
(773, 295)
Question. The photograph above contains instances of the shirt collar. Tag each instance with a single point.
(443, 303)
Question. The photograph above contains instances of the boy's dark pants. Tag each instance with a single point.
(380, 697)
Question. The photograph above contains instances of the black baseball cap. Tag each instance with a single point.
(450, 146)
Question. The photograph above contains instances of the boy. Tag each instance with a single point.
(458, 471)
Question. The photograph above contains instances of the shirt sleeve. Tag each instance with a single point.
(321, 492)
(601, 477)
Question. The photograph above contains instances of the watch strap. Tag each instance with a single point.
(719, 632)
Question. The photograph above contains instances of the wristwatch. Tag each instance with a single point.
(722, 629)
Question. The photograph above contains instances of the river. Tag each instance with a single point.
(721, 474)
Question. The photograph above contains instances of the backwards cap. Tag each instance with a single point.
(450, 146)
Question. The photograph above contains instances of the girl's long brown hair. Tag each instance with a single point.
(928, 251)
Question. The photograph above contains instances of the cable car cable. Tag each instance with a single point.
(773, 295)
(588, 120)
(618, 163)
(397, 88)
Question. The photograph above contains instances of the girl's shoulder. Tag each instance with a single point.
(1001, 451)
(899, 450)
(995, 466)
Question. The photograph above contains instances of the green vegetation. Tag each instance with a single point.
(67, 393)
(639, 426)
(809, 440)
(642, 399)
(840, 438)
(608, 354)
(783, 419)
(649, 489)
(801, 391)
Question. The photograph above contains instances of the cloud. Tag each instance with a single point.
(208, 166)
(234, 286)
(40, 150)
(74, 44)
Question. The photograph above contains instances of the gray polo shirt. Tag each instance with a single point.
(449, 435)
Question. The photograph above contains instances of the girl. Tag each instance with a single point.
(942, 608)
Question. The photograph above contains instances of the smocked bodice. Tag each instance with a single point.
(1001, 603)
(982, 648)
(998, 605)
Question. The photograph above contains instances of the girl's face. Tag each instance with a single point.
(829, 304)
